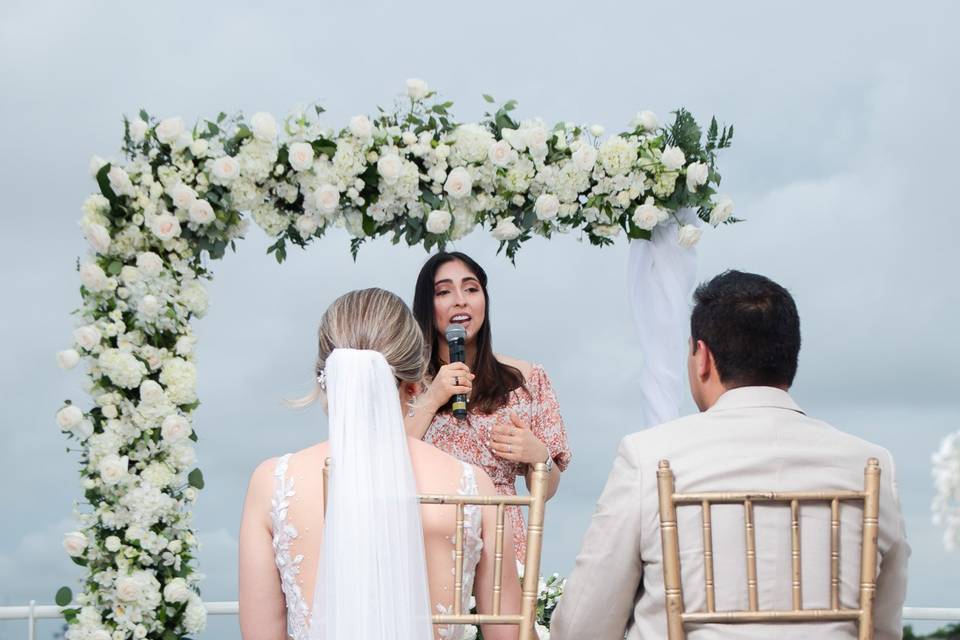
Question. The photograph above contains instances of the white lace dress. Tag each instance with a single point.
(288, 563)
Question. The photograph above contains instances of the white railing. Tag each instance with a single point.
(33, 612)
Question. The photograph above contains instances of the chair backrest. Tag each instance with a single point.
(536, 503)
(669, 535)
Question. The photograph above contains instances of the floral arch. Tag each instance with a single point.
(412, 173)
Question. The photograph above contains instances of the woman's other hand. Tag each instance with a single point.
(515, 442)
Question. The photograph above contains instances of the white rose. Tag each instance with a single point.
(129, 274)
(98, 237)
(112, 543)
(151, 392)
(721, 211)
(501, 153)
(68, 358)
(596, 130)
(138, 130)
(439, 221)
(170, 129)
(149, 263)
(361, 127)
(300, 155)
(182, 196)
(442, 151)
(199, 147)
(505, 230)
(120, 181)
(175, 428)
(389, 166)
(689, 235)
(128, 589)
(175, 546)
(469, 633)
(74, 543)
(697, 174)
(264, 127)
(87, 337)
(409, 138)
(306, 225)
(647, 215)
(92, 277)
(201, 212)
(112, 469)
(149, 307)
(109, 411)
(69, 417)
(176, 591)
(417, 88)
(225, 168)
(673, 158)
(547, 206)
(165, 227)
(327, 198)
(459, 183)
(648, 120)
(96, 163)
(585, 157)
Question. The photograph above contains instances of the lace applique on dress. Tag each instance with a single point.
(472, 548)
(284, 533)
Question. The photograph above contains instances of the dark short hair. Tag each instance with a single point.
(751, 325)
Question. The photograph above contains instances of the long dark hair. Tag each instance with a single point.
(494, 380)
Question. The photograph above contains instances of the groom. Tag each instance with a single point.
(751, 435)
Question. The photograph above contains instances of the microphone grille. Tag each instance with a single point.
(455, 332)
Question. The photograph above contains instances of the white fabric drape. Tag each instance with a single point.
(371, 579)
(660, 277)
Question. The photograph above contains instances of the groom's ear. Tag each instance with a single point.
(703, 358)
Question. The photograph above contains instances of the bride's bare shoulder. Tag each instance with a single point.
(523, 366)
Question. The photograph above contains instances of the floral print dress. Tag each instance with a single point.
(535, 403)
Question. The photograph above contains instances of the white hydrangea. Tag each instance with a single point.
(617, 155)
(195, 616)
(471, 144)
(180, 379)
(123, 369)
(194, 296)
(158, 474)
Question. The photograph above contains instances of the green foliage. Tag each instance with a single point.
(195, 479)
(64, 596)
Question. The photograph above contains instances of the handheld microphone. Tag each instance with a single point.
(456, 336)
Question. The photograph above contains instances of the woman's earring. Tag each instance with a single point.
(411, 411)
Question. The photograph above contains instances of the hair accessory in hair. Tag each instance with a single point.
(322, 379)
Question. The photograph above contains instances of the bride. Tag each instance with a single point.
(378, 564)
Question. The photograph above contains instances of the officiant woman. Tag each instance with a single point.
(513, 418)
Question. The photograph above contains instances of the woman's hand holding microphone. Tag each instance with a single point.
(450, 380)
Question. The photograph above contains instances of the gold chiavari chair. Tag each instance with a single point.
(536, 503)
(677, 617)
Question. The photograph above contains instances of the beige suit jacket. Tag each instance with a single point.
(753, 438)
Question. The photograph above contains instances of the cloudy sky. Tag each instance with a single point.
(843, 167)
